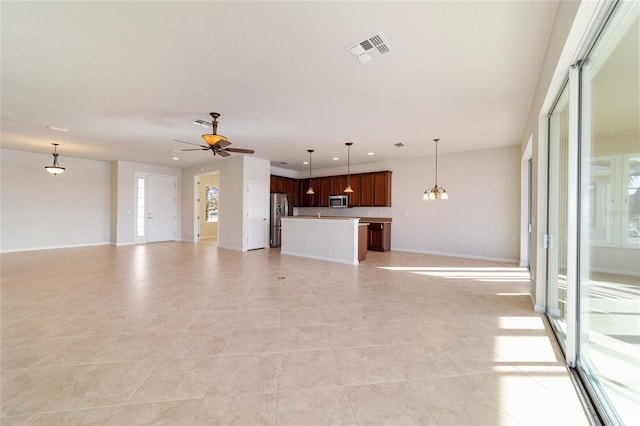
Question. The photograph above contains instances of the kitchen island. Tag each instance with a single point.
(334, 239)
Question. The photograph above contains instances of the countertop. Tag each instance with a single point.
(362, 219)
(321, 217)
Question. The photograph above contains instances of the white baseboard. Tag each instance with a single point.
(461, 255)
(55, 247)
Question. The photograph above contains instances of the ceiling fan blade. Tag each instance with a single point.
(223, 153)
(194, 149)
(191, 143)
(240, 150)
(223, 143)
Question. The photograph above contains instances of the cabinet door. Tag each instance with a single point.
(366, 199)
(280, 184)
(288, 186)
(295, 190)
(356, 195)
(305, 200)
(375, 236)
(272, 183)
(335, 185)
(322, 198)
(382, 189)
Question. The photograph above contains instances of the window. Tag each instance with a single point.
(631, 201)
(211, 207)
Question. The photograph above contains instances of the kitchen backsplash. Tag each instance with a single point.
(350, 212)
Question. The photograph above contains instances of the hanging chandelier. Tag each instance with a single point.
(348, 188)
(310, 190)
(437, 191)
(55, 168)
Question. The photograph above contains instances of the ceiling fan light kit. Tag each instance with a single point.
(436, 192)
(55, 168)
(216, 143)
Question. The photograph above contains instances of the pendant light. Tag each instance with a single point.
(55, 168)
(348, 188)
(437, 191)
(310, 190)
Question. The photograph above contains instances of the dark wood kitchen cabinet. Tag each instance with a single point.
(379, 236)
(369, 189)
(356, 195)
(382, 189)
(286, 185)
(324, 190)
(366, 196)
(315, 199)
(362, 241)
(337, 183)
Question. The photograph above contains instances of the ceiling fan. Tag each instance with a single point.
(216, 143)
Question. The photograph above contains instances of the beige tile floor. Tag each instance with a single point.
(186, 334)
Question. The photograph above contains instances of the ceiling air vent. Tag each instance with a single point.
(370, 49)
(399, 144)
(202, 123)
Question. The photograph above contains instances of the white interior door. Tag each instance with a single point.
(161, 208)
(257, 215)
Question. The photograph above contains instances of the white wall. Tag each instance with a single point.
(233, 173)
(39, 210)
(572, 20)
(479, 220)
(126, 197)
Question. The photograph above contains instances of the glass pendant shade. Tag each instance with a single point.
(55, 168)
(310, 191)
(213, 139)
(348, 189)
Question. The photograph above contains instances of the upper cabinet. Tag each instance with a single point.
(369, 189)
(382, 189)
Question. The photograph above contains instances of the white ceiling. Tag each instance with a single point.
(127, 78)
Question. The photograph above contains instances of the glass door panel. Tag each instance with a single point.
(557, 216)
(609, 260)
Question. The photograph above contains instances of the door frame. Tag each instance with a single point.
(144, 239)
(196, 203)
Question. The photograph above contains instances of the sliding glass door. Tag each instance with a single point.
(609, 261)
(556, 237)
(593, 256)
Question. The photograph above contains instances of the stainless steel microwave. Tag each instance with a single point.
(338, 201)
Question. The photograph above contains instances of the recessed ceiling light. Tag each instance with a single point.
(371, 153)
(335, 158)
(176, 158)
(284, 162)
(305, 162)
(57, 129)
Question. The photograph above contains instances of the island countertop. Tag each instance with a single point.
(362, 219)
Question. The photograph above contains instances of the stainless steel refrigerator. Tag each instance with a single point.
(281, 205)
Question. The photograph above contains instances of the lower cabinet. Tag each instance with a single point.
(363, 231)
(380, 236)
